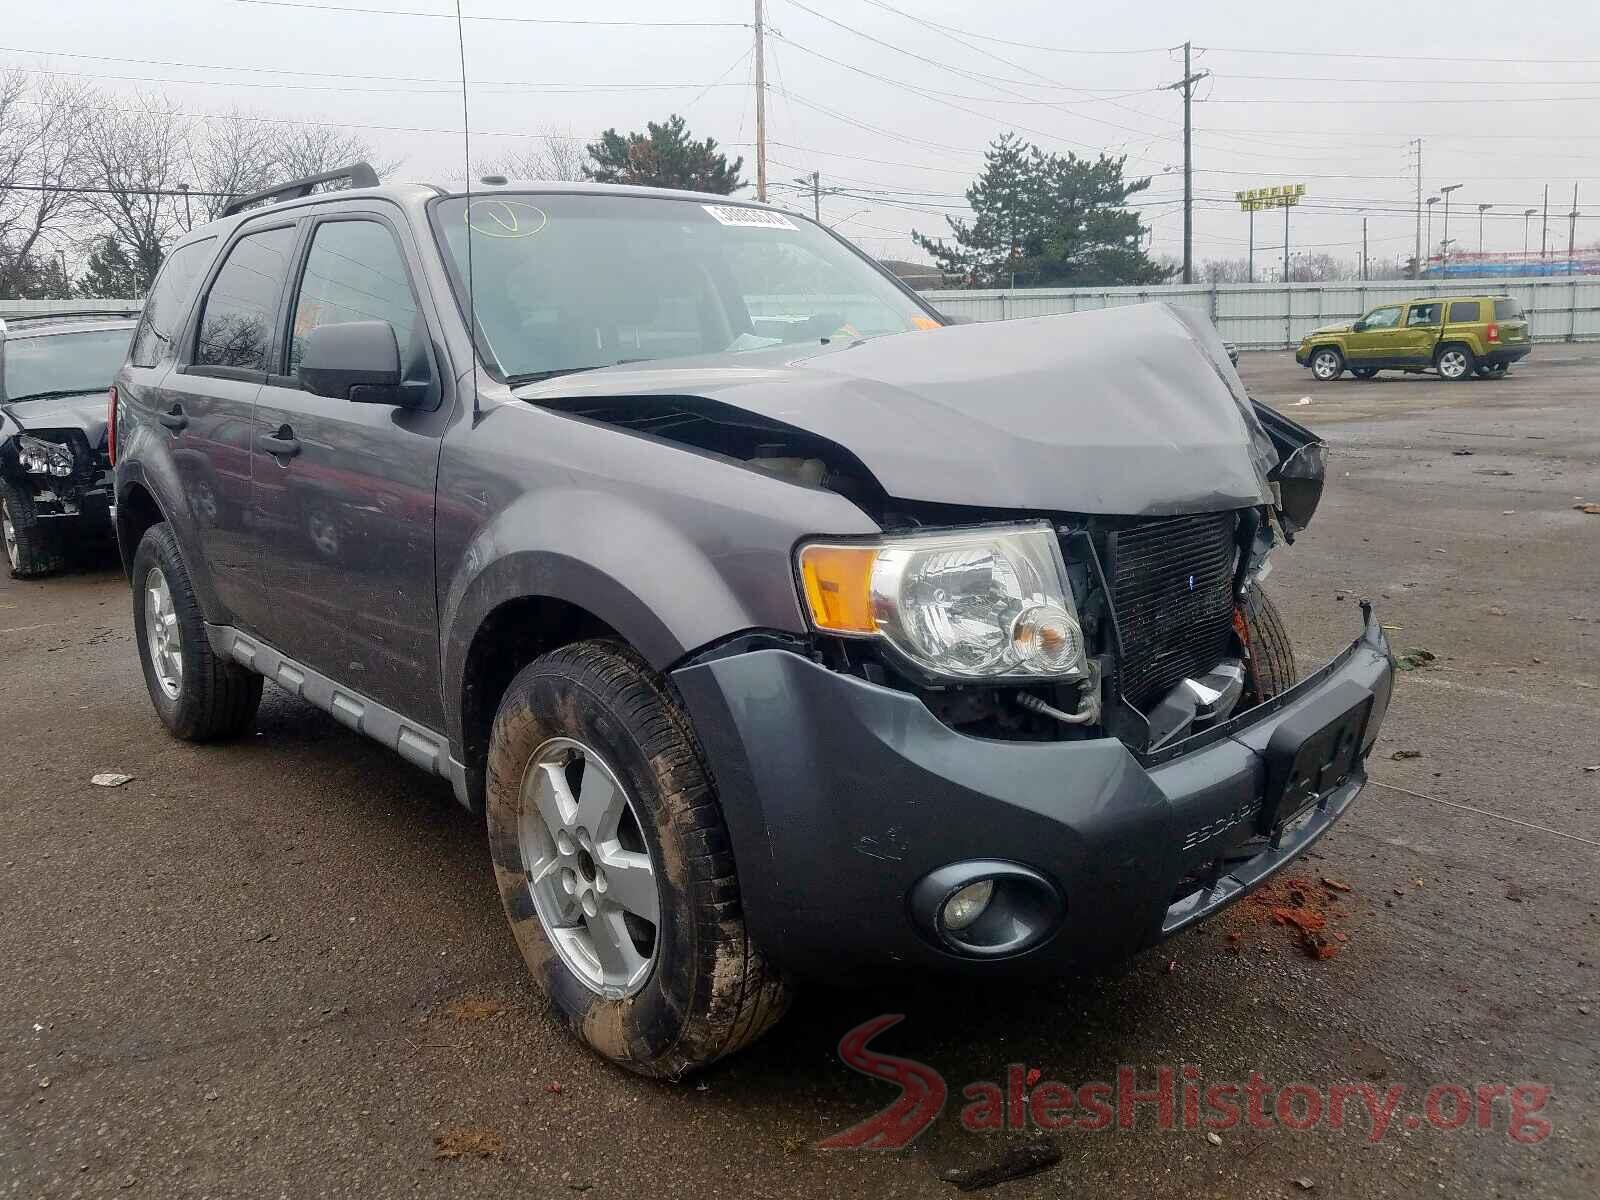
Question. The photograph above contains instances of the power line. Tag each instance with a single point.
(409, 12)
(984, 37)
(1444, 58)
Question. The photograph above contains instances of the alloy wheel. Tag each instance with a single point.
(1453, 364)
(162, 636)
(589, 869)
(13, 553)
(1325, 365)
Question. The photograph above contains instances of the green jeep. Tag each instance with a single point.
(1454, 335)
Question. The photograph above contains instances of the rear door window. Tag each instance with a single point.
(1507, 310)
(242, 305)
(168, 302)
(1465, 312)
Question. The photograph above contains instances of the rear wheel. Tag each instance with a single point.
(1327, 364)
(32, 549)
(1455, 363)
(615, 866)
(1363, 372)
(1272, 665)
(199, 696)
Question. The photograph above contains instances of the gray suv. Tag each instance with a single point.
(777, 627)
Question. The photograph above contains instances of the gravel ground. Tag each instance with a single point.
(279, 967)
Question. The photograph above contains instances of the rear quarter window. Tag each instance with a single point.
(1465, 312)
(1507, 310)
(168, 302)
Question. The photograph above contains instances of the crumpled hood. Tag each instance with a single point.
(1132, 411)
(1343, 327)
(86, 412)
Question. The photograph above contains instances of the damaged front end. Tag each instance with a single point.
(1126, 436)
(64, 475)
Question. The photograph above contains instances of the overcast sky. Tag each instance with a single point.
(906, 116)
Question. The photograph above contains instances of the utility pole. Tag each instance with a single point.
(1190, 78)
(816, 196)
(1286, 243)
(1363, 249)
(1482, 208)
(1526, 213)
(188, 218)
(1572, 230)
(1444, 239)
(761, 107)
(1250, 263)
(1432, 200)
(1544, 226)
(1416, 272)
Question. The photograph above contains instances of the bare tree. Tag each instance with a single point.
(555, 155)
(138, 152)
(42, 167)
(301, 150)
(230, 156)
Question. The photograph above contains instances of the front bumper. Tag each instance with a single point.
(841, 796)
(1302, 355)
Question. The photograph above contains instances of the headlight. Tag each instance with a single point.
(39, 457)
(988, 604)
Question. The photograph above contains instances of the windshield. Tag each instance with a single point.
(55, 363)
(571, 282)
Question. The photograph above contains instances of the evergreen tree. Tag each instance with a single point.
(1047, 220)
(665, 156)
(109, 274)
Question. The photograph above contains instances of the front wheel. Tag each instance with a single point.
(32, 550)
(1455, 363)
(615, 866)
(199, 696)
(1327, 364)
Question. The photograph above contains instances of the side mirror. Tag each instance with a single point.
(1358, 326)
(354, 360)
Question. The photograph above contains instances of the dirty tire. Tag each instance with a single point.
(711, 991)
(217, 699)
(32, 549)
(1364, 372)
(1272, 664)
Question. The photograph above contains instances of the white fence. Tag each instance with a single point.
(1272, 316)
(39, 308)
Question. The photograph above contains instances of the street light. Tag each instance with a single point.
(1444, 240)
(1526, 213)
(1482, 208)
(1421, 269)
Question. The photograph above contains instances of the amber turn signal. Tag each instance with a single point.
(838, 587)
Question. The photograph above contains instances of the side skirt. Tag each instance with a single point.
(417, 744)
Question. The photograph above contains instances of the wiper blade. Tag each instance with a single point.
(56, 395)
(538, 376)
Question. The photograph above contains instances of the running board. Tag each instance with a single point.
(417, 744)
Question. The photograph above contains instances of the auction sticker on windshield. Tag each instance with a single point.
(729, 214)
(505, 218)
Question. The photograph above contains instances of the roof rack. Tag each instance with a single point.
(360, 175)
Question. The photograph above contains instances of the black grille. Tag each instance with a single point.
(1173, 586)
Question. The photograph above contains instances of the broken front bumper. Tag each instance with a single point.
(842, 797)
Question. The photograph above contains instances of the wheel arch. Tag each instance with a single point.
(509, 620)
(137, 511)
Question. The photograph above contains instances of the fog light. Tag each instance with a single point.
(967, 905)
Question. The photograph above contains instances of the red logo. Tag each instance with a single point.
(921, 1100)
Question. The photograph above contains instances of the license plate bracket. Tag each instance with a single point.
(1312, 752)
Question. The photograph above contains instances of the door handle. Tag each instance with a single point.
(174, 420)
(282, 444)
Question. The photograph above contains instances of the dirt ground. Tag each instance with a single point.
(279, 967)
